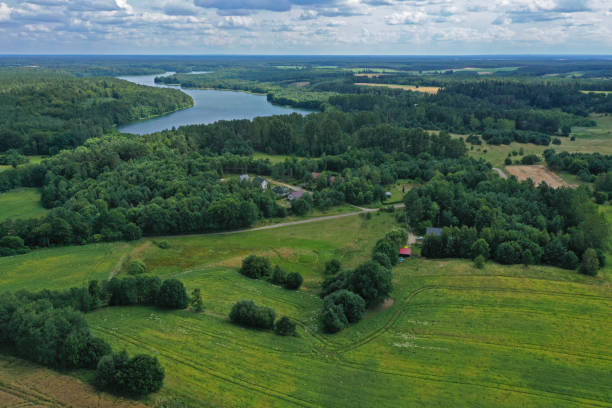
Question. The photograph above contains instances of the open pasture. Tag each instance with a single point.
(502, 336)
(21, 203)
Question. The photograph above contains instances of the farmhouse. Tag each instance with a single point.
(296, 195)
(261, 182)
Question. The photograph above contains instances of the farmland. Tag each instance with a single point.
(536, 173)
(503, 336)
(414, 88)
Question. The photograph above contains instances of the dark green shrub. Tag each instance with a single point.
(294, 281)
(255, 267)
(372, 282)
(136, 376)
(279, 277)
(333, 319)
(137, 267)
(247, 313)
(352, 304)
(332, 267)
(479, 262)
(172, 295)
(284, 327)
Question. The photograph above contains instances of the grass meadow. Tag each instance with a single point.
(21, 203)
(502, 336)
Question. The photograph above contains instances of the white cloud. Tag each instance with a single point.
(406, 17)
(5, 12)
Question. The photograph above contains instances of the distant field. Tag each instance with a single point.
(538, 174)
(597, 139)
(599, 92)
(501, 336)
(21, 203)
(424, 89)
(274, 158)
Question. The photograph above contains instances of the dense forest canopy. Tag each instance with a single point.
(44, 111)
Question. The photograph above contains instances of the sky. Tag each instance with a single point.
(404, 27)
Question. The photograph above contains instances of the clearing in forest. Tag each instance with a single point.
(538, 174)
(414, 88)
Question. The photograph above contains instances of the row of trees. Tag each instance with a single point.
(347, 294)
(259, 267)
(247, 313)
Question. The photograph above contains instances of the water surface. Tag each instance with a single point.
(209, 106)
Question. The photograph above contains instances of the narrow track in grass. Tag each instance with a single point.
(270, 392)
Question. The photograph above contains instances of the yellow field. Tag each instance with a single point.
(424, 89)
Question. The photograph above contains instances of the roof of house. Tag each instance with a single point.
(315, 175)
(297, 194)
(433, 231)
(405, 251)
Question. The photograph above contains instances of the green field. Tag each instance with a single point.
(21, 203)
(33, 160)
(596, 139)
(501, 336)
(274, 158)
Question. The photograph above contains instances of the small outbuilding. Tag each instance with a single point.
(244, 177)
(405, 252)
(261, 182)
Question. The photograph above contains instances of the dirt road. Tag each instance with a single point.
(501, 173)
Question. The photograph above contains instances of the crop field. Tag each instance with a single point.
(538, 174)
(500, 336)
(424, 89)
(23, 384)
(21, 203)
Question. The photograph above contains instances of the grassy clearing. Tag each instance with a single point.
(274, 158)
(398, 190)
(424, 89)
(501, 336)
(33, 160)
(21, 203)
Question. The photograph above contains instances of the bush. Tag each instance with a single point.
(334, 283)
(372, 282)
(172, 295)
(163, 244)
(352, 304)
(590, 263)
(569, 260)
(247, 313)
(255, 267)
(332, 267)
(135, 376)
(530, 159)
(527, 258)
(294, 281)
(508, 161)
(333, 319)
(279, 277)
(284, 327)
(480, 247)
(479, 262)
(382, 258)
(556, 141)
(137, 267)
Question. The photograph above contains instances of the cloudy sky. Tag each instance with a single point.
(306, 26)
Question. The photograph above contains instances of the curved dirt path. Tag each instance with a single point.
(501, 173)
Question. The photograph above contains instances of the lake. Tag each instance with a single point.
(209, 106)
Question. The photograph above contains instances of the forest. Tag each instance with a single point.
(44, 111)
